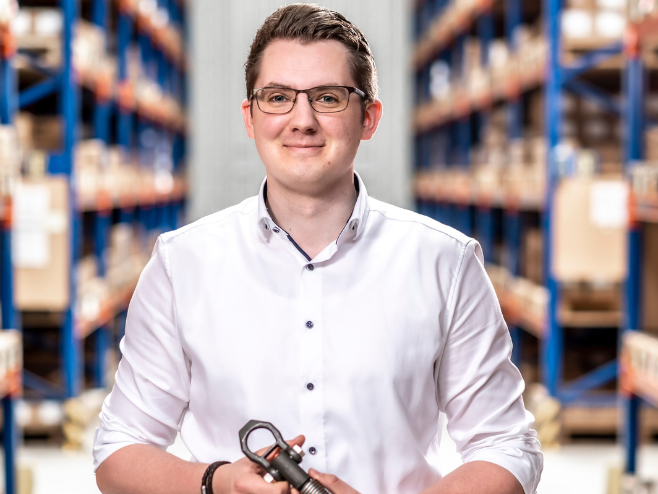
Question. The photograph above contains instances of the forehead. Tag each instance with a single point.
(301, 66)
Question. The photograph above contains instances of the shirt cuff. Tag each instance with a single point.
(107, 442)
(524, 465)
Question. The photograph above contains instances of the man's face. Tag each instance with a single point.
(305, 151)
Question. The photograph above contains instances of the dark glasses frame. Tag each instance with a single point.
(350, 90)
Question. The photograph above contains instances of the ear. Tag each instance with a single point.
(248, 118)
(373, 115)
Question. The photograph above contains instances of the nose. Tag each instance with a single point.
(302, 116)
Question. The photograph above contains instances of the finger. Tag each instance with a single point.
(256, 483)
(298, 441)
(326, 479)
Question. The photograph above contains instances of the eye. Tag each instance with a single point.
(277, 98)
(328, 98)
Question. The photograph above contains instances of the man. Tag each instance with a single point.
(316, 308)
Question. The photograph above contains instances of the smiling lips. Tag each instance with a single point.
(304, 149)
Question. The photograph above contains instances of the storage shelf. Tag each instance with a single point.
(475, 171)
(106, 90)
(145, 196)
(517, 314)
(115, 303)
(146, 94)
(437, 112)
(429, 188)
(161, 37)
(445, 28)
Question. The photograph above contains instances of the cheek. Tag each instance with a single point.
(267, 129)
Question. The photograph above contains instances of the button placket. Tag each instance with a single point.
(311, 368)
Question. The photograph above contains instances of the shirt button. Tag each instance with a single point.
(312, 450)
(310, 267)
(309, 324)
(310, 386)
(276, 230)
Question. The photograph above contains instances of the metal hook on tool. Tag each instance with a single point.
(285, 465)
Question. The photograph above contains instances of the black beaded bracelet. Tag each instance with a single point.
(206, 481)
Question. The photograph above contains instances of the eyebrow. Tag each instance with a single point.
(278, 84)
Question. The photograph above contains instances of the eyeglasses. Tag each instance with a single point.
(323, 99)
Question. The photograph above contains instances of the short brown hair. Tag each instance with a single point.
(306, 23)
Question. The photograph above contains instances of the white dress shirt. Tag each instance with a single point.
(359, 349)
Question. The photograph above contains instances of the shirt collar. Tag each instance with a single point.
(353, 229)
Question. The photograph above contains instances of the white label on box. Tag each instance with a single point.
(608, 204)
(22, 23)
(30, 240)
(577, 23)
(610, 24)
(612, 4)
(48, 22)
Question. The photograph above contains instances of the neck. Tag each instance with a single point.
(314, 221)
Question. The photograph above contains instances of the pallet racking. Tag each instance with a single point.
(639, 361)
(119, 116)
(446, 129)
(11, 382)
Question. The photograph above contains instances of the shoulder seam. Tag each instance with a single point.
(169, 235)
(448, 234)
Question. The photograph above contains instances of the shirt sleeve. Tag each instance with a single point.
(479, 388)
(151, 391)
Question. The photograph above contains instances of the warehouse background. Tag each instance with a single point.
(229, 169)
(530, 126)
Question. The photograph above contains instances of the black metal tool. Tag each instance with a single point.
(285, 464)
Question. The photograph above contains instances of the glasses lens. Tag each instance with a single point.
(275, 100)
(329, 99)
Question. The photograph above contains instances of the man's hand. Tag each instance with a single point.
(331, 482)
(245, 477)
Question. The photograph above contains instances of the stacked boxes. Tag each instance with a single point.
(594, 20)
(639, 9)
(126, 258)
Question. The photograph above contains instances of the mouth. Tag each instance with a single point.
(304, 149)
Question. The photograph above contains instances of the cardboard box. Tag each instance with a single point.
(649, 319)
(589, 230)
(533, 255)
(39, 132)
(41, 244)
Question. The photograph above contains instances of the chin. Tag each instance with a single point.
(307, 178)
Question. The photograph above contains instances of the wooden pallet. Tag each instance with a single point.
(48, 49)
(605, 422)
(572, 49)
(586, 307)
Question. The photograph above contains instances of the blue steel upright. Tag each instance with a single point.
(71, 345)
(8, 98)
(634, 86)
(551, 350)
